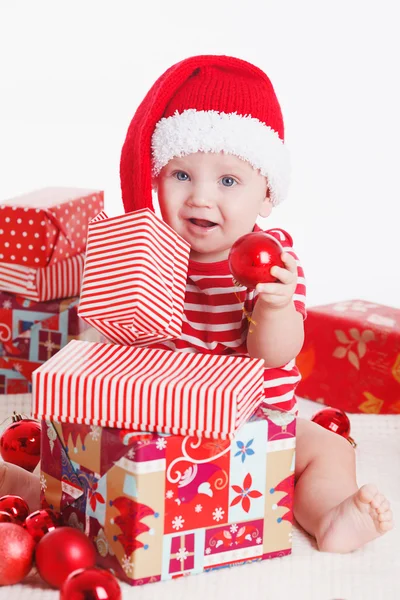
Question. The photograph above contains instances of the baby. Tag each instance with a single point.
(208, 139)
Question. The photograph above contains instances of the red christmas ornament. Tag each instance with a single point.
(16, 553)
(5, 517)
(62, 551)
(20, 443)
(15, 506)
(91, 584)
(335, 420)
(252, 256)
(40, 522)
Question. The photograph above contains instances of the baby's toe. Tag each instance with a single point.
(377, 500)
(384, 506)
(386, 516)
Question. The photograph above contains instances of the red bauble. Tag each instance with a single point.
(20, 443)
(5, 517)
(91, 584)
(16, 553)
(335, 420)
(40, 522)
(62, 551)
(15, 506)
(252, 256)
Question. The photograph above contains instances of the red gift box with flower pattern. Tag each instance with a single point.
(351, 357)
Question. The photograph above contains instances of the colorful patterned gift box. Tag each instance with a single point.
(351, 357)
(134, 281)
(31, 333)
(160, 505)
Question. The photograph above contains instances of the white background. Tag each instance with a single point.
(73, 73)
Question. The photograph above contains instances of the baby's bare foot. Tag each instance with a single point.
(17, 481)
(358, 520)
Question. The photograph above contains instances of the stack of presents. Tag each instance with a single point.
(168, 461)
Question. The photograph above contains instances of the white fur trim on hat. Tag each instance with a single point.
(210, 131)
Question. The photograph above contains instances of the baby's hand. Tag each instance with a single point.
(279, 294)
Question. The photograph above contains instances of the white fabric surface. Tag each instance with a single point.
(372, 573)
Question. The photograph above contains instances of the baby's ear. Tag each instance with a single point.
(266, 206)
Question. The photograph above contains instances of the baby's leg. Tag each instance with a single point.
(327, 502)
(17, 481)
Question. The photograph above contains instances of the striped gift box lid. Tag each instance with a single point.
(61, 279)
(134, 280)
(148, 389)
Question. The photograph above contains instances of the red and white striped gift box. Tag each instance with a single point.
(59, 280)
(134, 281)
(147, 389)
(41, 228)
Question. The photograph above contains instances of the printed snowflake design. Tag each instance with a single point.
(244, 450)
(131, 453)
(7, 304)
(218, 514)
(49, 345)
(245, 493)
(52, 436)
(17, 367)
(43, 483)
(178, 522)
(95, 432)
(128, 565)
(258, 540)
(169, 494)
(161, 443)
(233, 528)
(208, 550)
(198, 508)
(182, 554)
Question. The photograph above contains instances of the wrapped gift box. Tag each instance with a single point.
(160, 506)
(134, 280)
(148, 389)
(31, 333)
(60, 280)
(41, 228)
(351, 357)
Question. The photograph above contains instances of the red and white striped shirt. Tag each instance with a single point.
(214, 321)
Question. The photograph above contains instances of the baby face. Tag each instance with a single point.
(211, 200)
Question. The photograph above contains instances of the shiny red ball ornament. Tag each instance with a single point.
(20, 443)
(41, 522)
(62, 551)
(5, 517)
(335, 420)
(15, 506)
(252, 256)
(91, 584)
(16, 553)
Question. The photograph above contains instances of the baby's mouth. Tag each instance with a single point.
(202, 223)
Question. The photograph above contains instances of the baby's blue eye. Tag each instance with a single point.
(181, 176)
(228, 181)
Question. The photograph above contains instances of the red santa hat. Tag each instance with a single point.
(209, 104)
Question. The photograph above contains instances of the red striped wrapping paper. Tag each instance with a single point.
(148, 389)
(134, 281)
(59, 280)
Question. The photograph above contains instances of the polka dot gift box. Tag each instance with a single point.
(46, 226)
(43, 240)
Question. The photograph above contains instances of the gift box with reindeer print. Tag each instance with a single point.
(351, 357)
(167, 473)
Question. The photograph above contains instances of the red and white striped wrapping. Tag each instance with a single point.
(59, 280)
(134, 281)
(148, 390)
